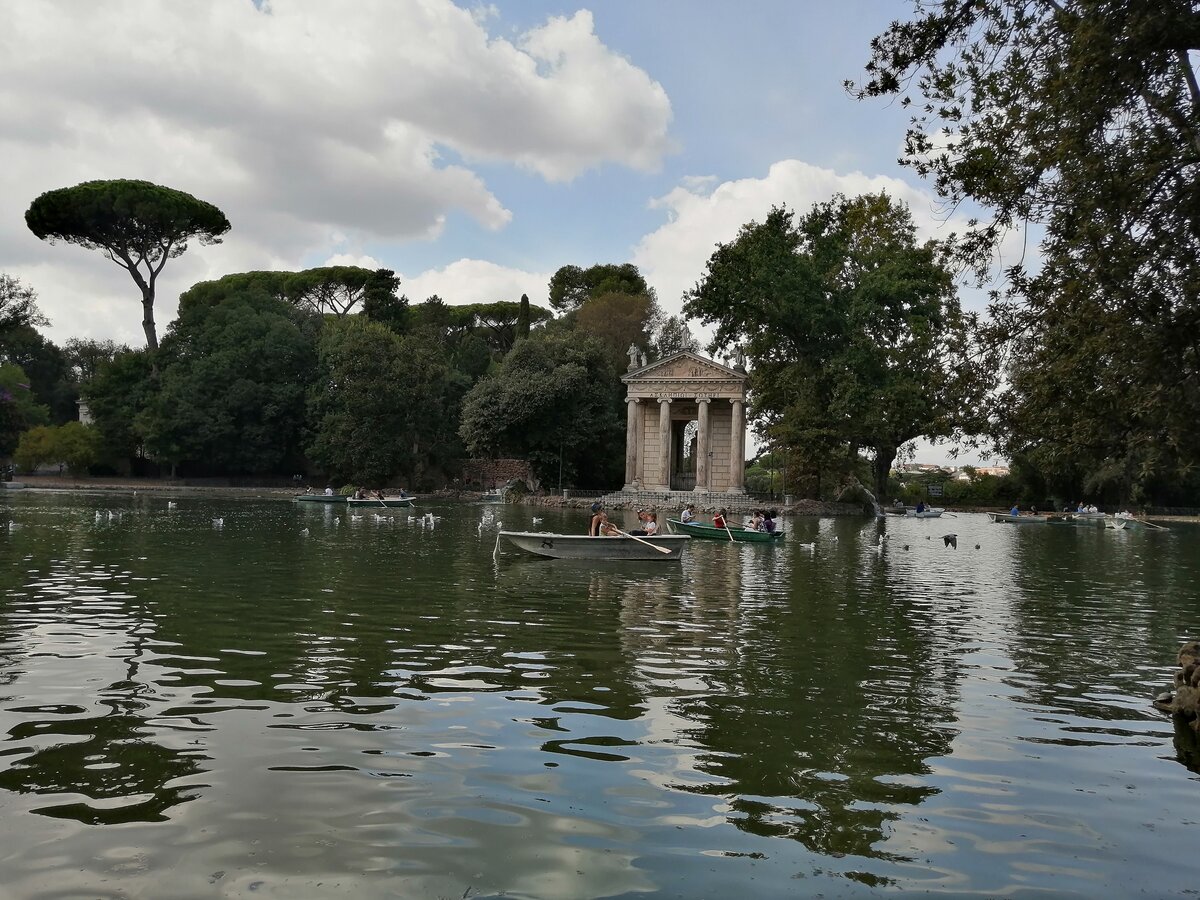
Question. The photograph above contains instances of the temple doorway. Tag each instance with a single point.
(683, 457)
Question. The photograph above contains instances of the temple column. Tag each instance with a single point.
(702, 443)
(633, 439)
(664, 443)
(737, 448)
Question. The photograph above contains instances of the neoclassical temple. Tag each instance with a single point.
(686, 425)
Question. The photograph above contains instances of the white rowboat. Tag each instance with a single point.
(582, 546)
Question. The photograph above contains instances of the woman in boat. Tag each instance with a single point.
(920, 506)
(598, 518)
(719, 519)
(756, 519)
(768, 523)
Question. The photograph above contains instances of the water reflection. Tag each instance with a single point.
(301, 696)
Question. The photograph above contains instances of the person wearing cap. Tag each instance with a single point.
(597, 519)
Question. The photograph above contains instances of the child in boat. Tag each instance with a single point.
(756, 520)
(719, 519)
(643, 523)
(607, 529)
(650, 526)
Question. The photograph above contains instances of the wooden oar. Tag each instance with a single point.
(638, 539)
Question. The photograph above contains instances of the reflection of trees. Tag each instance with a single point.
(1091, 609)
(115, 761)
(821, 699)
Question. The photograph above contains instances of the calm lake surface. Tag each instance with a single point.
(296, 705)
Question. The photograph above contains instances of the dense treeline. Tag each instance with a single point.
(333, 373)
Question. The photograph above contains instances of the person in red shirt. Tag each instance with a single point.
(719, 519)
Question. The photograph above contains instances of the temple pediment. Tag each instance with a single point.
(684, 366)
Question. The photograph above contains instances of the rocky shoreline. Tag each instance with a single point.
(1183, 703)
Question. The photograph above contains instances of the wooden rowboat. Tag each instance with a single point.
(736, 532)
(320, 498)
(1018, 520)
(582, 546)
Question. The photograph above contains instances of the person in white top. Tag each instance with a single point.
(650, 525)
(688, 514)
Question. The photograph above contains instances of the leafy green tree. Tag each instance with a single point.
(618, 320)
(852, 329)
(137, 224)
(341, 290)
(19, 408)
(86, 356)
(357, 422)
(571, 286)
(50, 377)
(1083, 117)
(232, 385)
(117, 394)
(77, 446)
(555, 397)
(35, 448)
(18, 305)
(523, 318)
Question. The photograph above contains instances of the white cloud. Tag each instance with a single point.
(477, 281)
(673, 257)
(302, 121)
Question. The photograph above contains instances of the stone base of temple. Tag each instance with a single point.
(667, 499)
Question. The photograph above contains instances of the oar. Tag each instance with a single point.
(639, 540)
(730, 533)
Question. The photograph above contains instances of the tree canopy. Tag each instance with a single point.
(555, 397)
(138, 225)
(852, 330)
(18, 305)
(1082, 117)
(571, 286)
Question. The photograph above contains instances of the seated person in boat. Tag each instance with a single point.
(379, 495)
(358, 494)
(328, 491)
(403, 495)
(768, 522)
(643, 518)
(688, 514)
(719, 519)
(1015, 511)
(755, 523)
(598, 518)
(920, 506)
(650, 526)
(607, 529)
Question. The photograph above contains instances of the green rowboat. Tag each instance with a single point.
(736, 532)
(319, 498)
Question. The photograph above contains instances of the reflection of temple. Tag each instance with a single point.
(686, 425)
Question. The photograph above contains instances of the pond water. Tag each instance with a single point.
(300, 704)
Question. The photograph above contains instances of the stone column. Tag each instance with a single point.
(737, 449)
(664, 443)
(633, 439)
(702, 444)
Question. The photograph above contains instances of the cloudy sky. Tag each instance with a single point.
(473, 149)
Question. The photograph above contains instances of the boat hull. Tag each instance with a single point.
(319, 498)
(739, 535)
(386, 501)
(935, 513)
(1018, 520)
(582, 546)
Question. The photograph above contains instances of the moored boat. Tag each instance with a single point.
(1018, 520)
(582, 546)
(320, 498)
(734, 533)
(929, 512)
(386, 501)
